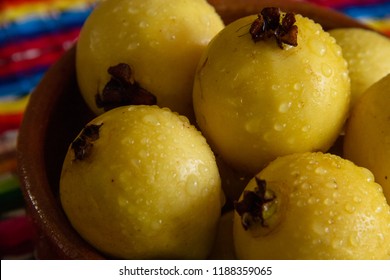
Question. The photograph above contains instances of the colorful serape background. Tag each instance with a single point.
(33, 35)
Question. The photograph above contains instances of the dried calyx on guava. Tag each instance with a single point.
(271, 110)
(82, 145)
(257, 208)
(271, 23)
(148, 180)
(122, 90)
(162, 41)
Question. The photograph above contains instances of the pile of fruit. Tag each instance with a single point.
(215, 141)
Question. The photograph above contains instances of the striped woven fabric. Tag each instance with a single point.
(33, 35)
(375, 13)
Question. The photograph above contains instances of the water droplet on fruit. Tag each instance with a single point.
(205, 191)
(150, 119)
(354, 240)
(156, 225)
(309, 166)
(192, 185)
(154, 43)
(143, 153)
(251, 126)
(317, 47)
(161, 137)
(135, 162)
(306, 128)
(300, 203)
(203, 169)
(143, 24)
(153, 12)
(349, 208)
(331, 185)
(305, 186)
(378, 209)
(321, 171)
(130, 10)
(297, 86)
(275, 87)
(312, 200)
(337, 243)
(145, 140)
(308, 71)
(328, 201)
(133, 45)
(320, 228)
(122, 202)
(316, 241)
(284, 107)
(279, 127)
(326, 70)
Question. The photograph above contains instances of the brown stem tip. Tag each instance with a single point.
(123, 90)
(253, 205)
(270, 23)
(82, 145)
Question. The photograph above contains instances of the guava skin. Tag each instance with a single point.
(320, 206)
(255, 101)
(161, 41)
(367, 134)
(368, 55)
(140, 182)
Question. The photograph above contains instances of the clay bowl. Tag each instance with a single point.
(57, 112)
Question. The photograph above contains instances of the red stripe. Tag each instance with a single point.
(341, 3)
(40, 61)
(17, 236)
(14, 3)
(42, 51)
(10, 121)
(39, 42)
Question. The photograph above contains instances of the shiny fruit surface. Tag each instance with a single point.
(368, 55)
(367, 135)
(140, 182)
(312, 206)
(256, 100)
(161, 42)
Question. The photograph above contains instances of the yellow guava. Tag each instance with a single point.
(312, 206)
(368, 55)
(160, 41)
(256, 100)
(367, 135)
(140, 182)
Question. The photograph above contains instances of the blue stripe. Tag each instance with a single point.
(376, 11)
(31, 27)
(20, 86)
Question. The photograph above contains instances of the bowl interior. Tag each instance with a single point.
(55, 115)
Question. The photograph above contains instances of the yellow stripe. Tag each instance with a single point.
(379, 24)
(14, 106)
(42, 8)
